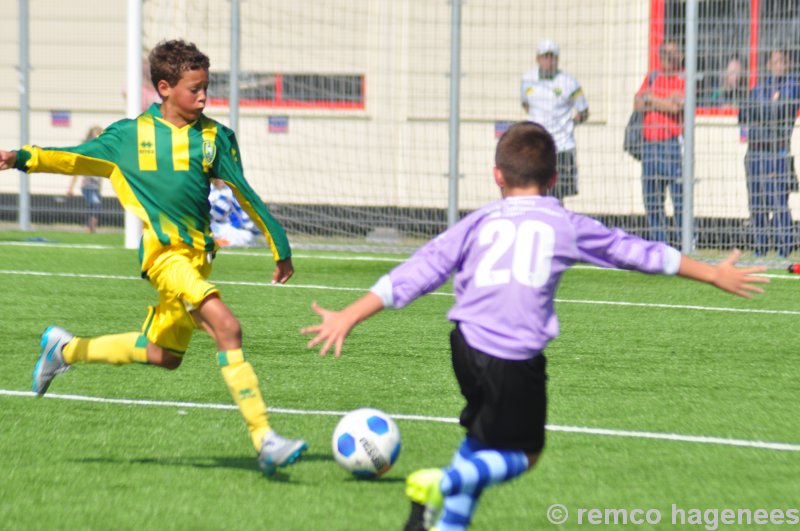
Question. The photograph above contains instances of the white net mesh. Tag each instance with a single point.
(344, 105)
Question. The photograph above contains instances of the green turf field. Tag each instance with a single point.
(639, 356)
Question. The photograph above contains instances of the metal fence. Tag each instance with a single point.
(345, 107)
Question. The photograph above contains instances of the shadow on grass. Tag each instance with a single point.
(240, 463)
(353, 479)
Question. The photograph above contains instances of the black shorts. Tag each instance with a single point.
(567, 182)
(506, 400)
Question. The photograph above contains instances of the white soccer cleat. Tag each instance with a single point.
(51, 362)
(277, 451)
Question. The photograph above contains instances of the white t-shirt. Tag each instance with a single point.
(552, 102)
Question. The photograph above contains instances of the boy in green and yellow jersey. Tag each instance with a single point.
(160, 166)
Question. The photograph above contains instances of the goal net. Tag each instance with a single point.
(345, 106)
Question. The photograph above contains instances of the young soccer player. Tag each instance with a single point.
(508, 258)
(160, 166)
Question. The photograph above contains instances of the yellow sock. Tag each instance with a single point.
(117, 349)
(243, 385)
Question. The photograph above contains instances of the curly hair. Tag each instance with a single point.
(170, 59)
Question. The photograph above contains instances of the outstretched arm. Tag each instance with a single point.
(336, 326)
(426, 270)
(96, 157)
(7, 159)
(725, 275)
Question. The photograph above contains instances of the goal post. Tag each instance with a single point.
(133, 225)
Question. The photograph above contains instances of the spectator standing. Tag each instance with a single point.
(661, 98)
(554, 99)
(769, 115)
(732, 88)
(90, 188)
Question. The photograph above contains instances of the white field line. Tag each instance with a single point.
(439, 293)
(263, 254)
(60, 245)
(674, 437)
(343, 257)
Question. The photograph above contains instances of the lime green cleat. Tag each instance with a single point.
(422, 487)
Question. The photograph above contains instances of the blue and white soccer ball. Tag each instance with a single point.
(366, 442)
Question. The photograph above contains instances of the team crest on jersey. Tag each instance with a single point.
(557, 91)
(209, 152)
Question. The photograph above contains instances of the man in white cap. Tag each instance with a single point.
(554, 99)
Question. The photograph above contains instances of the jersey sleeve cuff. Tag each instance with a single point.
(672, 261)
(383, 289)
(23, 156)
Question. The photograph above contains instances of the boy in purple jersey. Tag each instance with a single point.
(508, 257)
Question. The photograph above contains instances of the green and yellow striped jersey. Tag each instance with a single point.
(162, 174)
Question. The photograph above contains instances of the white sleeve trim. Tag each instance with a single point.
(672, 261)
(383, 289)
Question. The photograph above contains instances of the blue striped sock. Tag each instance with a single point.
(458, 509)
(483, 469)
(457, 512)
(474, 467)
(468, 447)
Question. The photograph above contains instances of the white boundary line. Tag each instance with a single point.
(674, 437)
(343, 257)
(264, 254)
(59, 245)
(439, 293)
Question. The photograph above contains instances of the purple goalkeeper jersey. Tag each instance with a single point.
(508, 258)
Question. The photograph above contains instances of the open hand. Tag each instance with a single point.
(739, 281)
(332, 331)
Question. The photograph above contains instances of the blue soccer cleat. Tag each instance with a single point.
(277, 451)
(51, 362)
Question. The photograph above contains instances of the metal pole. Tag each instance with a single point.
(687, 240)
(24, 113)
(133, 225)
(233, 97)
(455, 118)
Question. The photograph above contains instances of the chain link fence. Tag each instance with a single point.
(344, 106)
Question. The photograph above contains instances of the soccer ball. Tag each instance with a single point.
(366, 442)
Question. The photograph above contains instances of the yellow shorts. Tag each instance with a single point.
(179, 275)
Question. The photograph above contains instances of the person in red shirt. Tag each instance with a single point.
(661, 98)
